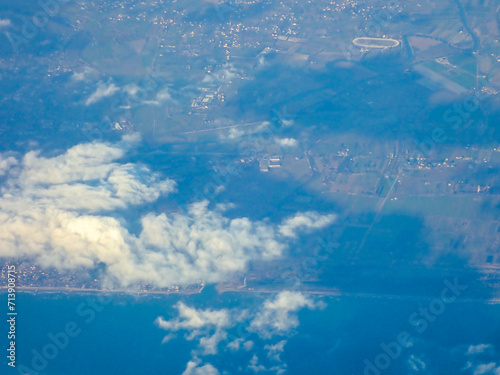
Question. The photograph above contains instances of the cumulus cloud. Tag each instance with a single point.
(213, 247)
(103, 90)
(256, 367)
(73, 210)
(254, 364)
(208, 326)
(274, 351)
(193, 319)
(306, 220)
(278, 316)
(6, 163)
(193, 368)
(235, 344)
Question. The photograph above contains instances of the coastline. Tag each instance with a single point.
(50, 289)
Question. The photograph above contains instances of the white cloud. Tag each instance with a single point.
(481, 367)
(254, 364)
(131, 89)
(416, 364)
(235, 133)
(274, 351)
(275, 317)
(256, 367)
(225, 73)
(193, 368)
(212, 246)
(228, 74)
(485, 369)
(278, 316)
(163, 95)
(70, 210)
(260, 130)
(103, 90)
(78, 76)
(5, 23)
(306, 220)
(82, 75)
(168, 338)
(235, 344)
(6, 162)
(286, 142)
(477, 349)
(209, 327)
(194, 319)
(207, 79)
(248, 345)
(209, 344)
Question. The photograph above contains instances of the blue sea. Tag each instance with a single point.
(118, 336)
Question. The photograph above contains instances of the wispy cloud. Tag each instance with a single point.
(487, 368)
(103, 90)
(477, 349)
(305, 221)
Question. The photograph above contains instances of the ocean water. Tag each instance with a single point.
(120, 337)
